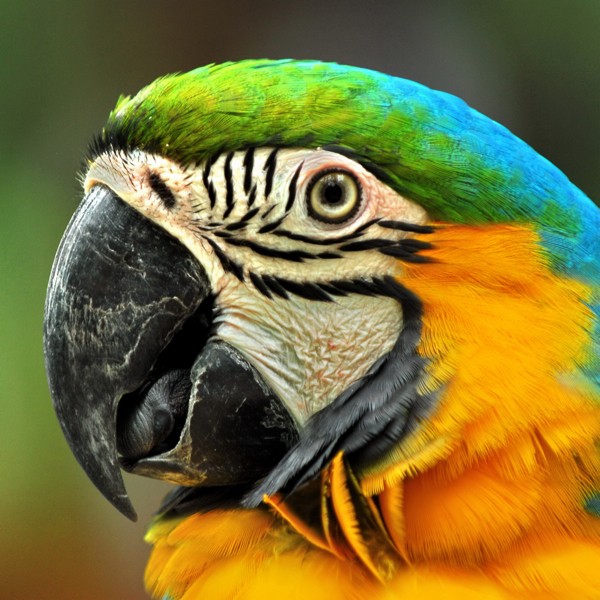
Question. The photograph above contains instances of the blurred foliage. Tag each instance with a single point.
(531, 64)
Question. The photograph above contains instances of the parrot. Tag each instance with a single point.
(353, 320)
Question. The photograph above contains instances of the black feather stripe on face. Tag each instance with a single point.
(162, 190)
(229, 196)
(270, 166)
(248, 166)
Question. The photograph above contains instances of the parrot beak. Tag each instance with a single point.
(133, 380)
(113, 301)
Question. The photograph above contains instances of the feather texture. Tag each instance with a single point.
(491, 489)
(495, 492)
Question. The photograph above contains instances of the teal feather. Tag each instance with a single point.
(592, 505)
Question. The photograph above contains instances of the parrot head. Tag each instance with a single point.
(247, 286)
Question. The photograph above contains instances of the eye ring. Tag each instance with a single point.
(333, 196)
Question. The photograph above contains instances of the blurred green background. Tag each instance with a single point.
(534, 65)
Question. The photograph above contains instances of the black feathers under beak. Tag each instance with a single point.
(134, 381)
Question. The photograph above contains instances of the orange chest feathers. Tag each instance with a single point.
(484, 500)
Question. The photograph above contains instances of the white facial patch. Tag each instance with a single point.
(308, 352)
(290, 239)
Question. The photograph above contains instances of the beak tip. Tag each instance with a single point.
(124, 506)
(119, 499)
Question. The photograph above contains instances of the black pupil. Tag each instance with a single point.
(333, 193)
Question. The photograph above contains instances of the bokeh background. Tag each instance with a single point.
(534, 65)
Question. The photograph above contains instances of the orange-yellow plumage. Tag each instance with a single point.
(485, 499)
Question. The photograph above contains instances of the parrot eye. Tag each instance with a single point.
(333, 196)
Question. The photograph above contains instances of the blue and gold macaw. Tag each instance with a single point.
(354, 320)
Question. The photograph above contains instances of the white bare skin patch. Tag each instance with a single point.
(309, 352)
(272, 242)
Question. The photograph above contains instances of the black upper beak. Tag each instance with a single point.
(120, 288)
(135, 380)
